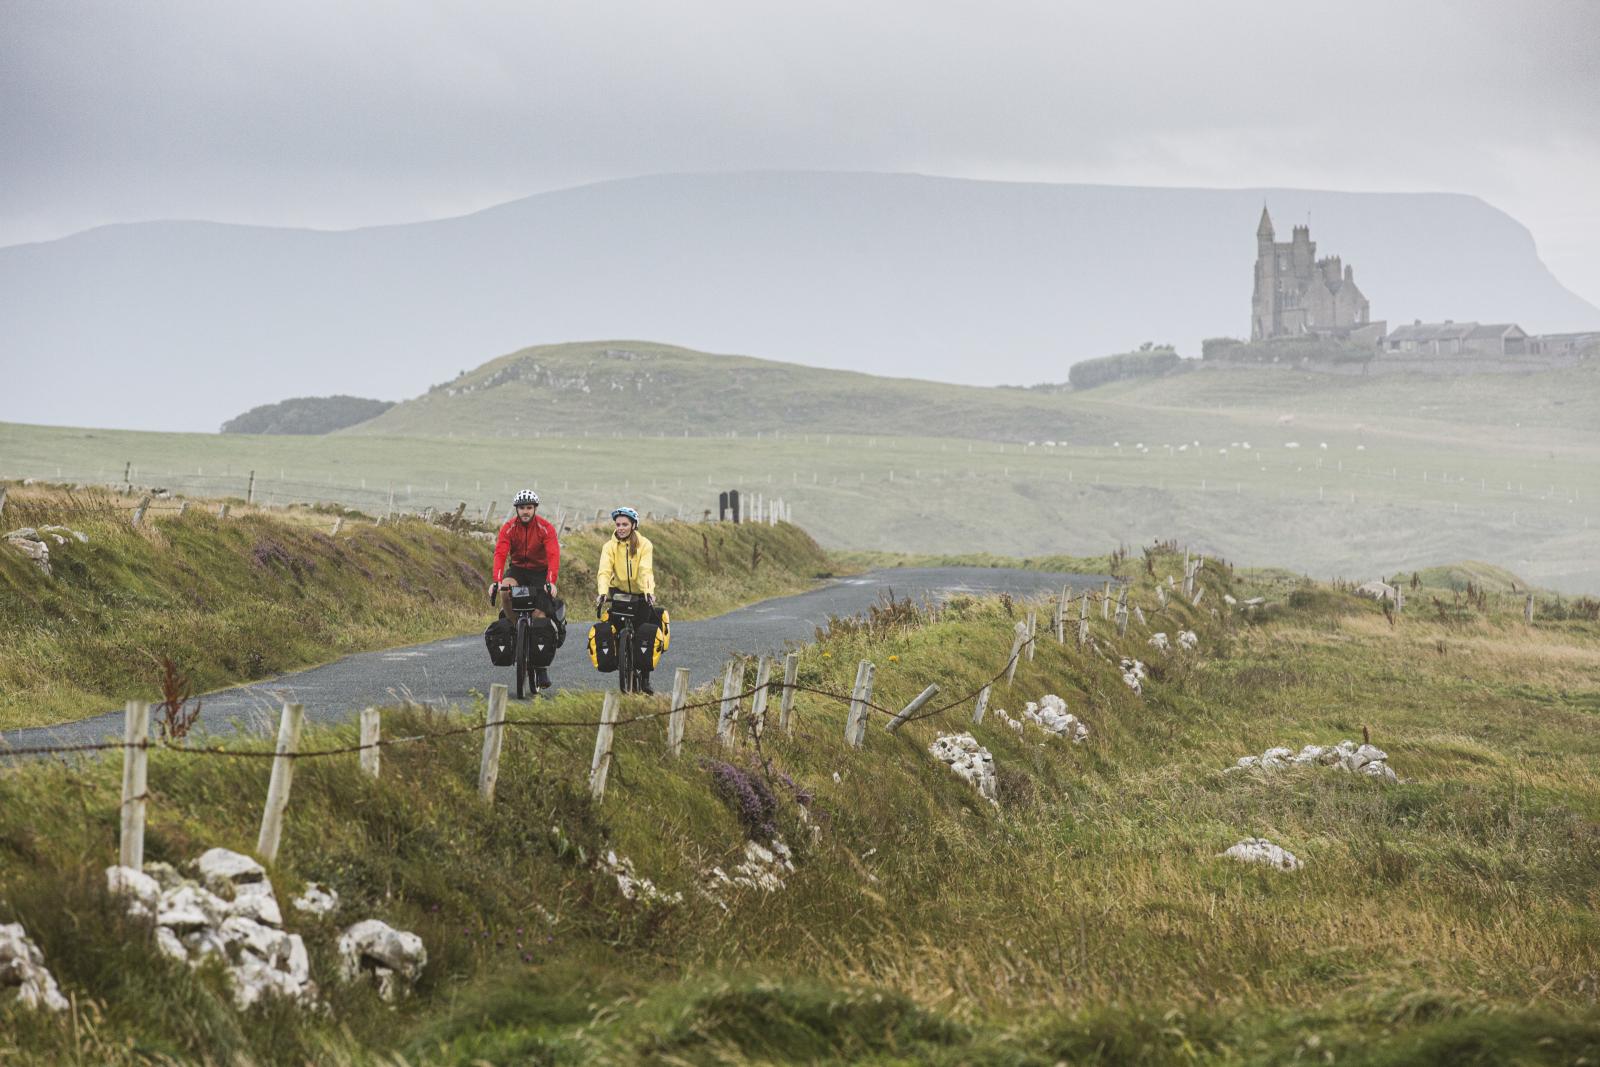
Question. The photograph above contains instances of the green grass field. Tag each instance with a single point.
(1446, 919)
(1369, 504)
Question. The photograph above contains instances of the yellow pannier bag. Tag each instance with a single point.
(663, 639)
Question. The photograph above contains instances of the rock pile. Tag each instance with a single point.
(765, 867)
(1187, 641)
(1051, 714)
(1133, 675)
(22, 969)
(631, 885)
(1346, 756)
(372, 949)
(231, 913)
(1260, 850)
(970, 761)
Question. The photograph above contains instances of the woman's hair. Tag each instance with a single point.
(632, 540)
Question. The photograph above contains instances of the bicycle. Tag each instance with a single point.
(623, 612)
(523, 605)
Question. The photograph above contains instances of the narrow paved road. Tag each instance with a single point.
(458, 668)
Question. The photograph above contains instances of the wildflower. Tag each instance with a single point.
(894, 659)
(827, 655)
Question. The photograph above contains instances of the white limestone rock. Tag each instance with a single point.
(764, 867)
(1051, 714)
(631, 885)
(1188, 641)
(23, 974)
(190, 908)
(1345, 756)
(141, 892)
(969, 761)
(220, 868)
(317, 901)
(392, 958)
(1159, 642)
(1260, 850)
(1134, 675)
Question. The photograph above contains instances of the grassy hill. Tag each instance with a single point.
(1448, 918)
(600, 388)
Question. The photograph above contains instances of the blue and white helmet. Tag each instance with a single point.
(632, 515)
(526, 496)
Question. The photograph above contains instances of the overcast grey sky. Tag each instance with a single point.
(344, 114)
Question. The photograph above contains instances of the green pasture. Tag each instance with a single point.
(1370, 503)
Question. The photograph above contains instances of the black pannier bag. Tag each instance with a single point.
(542, 634)
(501, 638)
(603, 647)
(644, 643)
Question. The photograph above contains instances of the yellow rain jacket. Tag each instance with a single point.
(629, 573)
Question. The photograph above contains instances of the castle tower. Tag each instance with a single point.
(1264, 301)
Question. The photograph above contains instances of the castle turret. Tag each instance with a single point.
(1264, 301)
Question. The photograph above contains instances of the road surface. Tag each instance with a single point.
(457, 669)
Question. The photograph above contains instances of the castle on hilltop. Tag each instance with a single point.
(1296, 293)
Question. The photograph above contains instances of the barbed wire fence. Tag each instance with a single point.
(737, 707)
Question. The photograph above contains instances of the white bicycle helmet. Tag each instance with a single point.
(629, 512)
(526, 496)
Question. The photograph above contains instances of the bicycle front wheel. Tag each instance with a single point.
(625, 659)
(524, 648)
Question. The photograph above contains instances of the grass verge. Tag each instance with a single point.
(1449, 918)
(245, 597)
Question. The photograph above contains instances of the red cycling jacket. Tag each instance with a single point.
(532, 545)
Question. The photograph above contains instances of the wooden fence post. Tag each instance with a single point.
(135, 777)
(250, 491)
(282, 777)
(1527, 610)
(1198, 596)
(1033, 629)
(1122, 611)
(371, 734)
(1083, 619)
(338, 524)
(758, 701)
(791, 671)
(602, 747)
(675, 719)
(183, 509)
(493, 736)
(1061, 614)
(138, 512)
(222, 511)
(1019, 634)
(905, 712)
(1105, 602)
(860, 696)
(728, 713)
(2, 500)
(982, 706)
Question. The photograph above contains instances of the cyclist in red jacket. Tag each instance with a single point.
(527, 552)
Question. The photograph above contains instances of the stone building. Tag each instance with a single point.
(1451, 338)
(1296, 293)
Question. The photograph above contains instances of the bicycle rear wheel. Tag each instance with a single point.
(524, 647)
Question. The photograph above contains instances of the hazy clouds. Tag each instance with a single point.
(337, 115)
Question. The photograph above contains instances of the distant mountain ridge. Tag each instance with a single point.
(179, 323)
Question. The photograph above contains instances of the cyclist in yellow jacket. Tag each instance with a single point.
(626, 568)
(626, 561)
